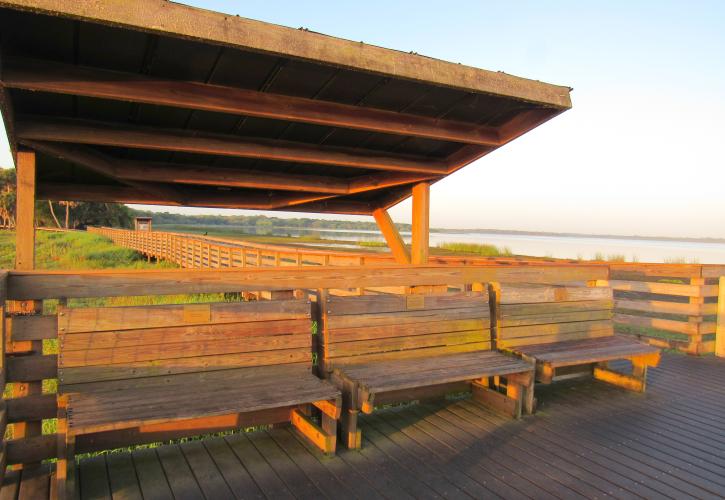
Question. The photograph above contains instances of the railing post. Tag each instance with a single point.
(720, 330)
(695, 345)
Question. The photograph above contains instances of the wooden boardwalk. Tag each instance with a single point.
(587, 440)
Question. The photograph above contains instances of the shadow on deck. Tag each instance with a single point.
(587, 440)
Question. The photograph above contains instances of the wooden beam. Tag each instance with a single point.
(48, 76)
(140, 174)
(104, 165)
(211, 199)
(217, 29)
(720, 328)
(421, 223)
(28, 285)
(392, 236)
(25, 211)
(111, 134)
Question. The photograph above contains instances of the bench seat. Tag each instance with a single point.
(560, 328)
(139, 374)
(98, 407)
(389, 348)
(577, 352)
(396, 375)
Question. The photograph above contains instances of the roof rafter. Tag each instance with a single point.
(111, 134)
(211, 198)
(138, 173)
(48, 76)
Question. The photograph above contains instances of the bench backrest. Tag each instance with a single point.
(117, 343)
(359, 329)
(541, 314)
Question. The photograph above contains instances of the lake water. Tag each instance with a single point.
(541, 246)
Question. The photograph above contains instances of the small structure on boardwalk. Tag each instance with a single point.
(142, 223)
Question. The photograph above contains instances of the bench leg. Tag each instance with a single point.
(325, 441)
(65, 466)
(351, 435)
(509, 403)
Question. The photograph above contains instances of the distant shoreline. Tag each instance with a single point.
(577, 235)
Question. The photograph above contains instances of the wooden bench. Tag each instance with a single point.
(563, 329)
(388, 348)
(169, 370)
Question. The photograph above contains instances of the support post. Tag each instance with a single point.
(421, 223)
(25, 212)
(25, 261)
(696, 345)
(392, 236)
(720, 331)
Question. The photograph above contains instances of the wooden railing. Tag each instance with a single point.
(669, 305)
(46, 288)
(206, 252)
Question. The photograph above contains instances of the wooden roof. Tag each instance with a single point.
(148, 101)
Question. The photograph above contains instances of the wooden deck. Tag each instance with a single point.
(587, 440)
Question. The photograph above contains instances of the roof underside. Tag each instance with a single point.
(159, 103)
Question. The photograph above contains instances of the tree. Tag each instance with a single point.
(7, 197)
(78, 214)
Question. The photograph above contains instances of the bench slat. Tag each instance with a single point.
(183, 350)
(95, 319)
(175, 334)
(338, 335)
(398, 318)
(403, 343)
(184, 365)
(375, 304)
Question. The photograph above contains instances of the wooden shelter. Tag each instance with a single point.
(149, 101)
(142, 223)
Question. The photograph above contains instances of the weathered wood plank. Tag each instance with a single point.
(665, 288)
(397, 344)
(180, 334)
(31, 327)
(185, 365)
(27, 285)
(517, 294)
(95, 319)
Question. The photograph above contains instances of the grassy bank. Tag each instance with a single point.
(75, 250)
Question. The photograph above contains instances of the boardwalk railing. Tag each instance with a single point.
(78, 289)
(206, 252)
(669, 305)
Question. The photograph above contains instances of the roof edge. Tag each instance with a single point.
(178, 20)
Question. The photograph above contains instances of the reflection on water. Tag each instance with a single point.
(540, 246)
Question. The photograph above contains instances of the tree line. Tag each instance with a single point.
(61, 214)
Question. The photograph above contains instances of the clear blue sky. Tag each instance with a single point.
(642, 149)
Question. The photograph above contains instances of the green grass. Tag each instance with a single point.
(372, 244)
(476, 249)
(76, 250)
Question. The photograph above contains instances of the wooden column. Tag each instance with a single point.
(421, 223)
(720, 332)
(392, 236)
(696, 346)
(25, 212)
(25, 261)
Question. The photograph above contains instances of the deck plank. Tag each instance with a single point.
(589, 439)
(178, 473)
(234, 473)
(207, 474)
(151, 475)
(266, 478)
(122, 477)
(93, 478)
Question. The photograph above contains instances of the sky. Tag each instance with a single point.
(641, 150)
